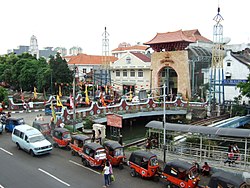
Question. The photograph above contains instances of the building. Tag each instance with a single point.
(237, 69)
(123, 48)
(131, 73)
(170, 61)
(75, 50)
(61, 50)
(33, 49)
(19, 50)
(88, 65)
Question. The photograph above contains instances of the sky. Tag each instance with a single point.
(68, 23)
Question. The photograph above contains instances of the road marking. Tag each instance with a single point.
(84, 167)
(54, 177)
(6, 152)
(1, 186)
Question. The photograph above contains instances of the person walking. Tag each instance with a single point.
(93, 136)
(110, 172)
(106, 174)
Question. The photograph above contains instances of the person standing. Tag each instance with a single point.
(99, 136)
(106, 174)
(148, 144)
(110, 172)
(93, 136)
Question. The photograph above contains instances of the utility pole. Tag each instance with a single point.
(74, 103)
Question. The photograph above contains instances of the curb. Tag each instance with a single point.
(24, 111)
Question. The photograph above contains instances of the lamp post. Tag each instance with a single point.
(164, 121)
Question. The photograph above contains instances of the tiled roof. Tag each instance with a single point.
(84, 59)
(136, 47)
(178, 36)
(242, 57)
(141, 56)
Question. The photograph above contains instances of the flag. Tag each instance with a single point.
(53, 113)
(71, 103)
(102, 100)
(58, 101)
(86, 95)
(60, 91)
(35, 94)
(22, 97)
(130, 95)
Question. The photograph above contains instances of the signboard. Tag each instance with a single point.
(233, 82)
(114, 120)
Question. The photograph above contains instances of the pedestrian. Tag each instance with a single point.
(8, 115)
(205, 170)
(106, 174)
(37, 117)
(93, 136)
(99, 136)
(41, 117)
(110, 172)
(148, 144)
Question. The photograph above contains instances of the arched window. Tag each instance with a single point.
(132, 73)
(125, 73)
(140, 73)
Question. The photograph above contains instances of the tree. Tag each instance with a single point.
(245, 87)
(3, 94)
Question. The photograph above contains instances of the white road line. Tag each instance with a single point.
(6, 152)
(84, 167)
(1, 186)
(54, 177)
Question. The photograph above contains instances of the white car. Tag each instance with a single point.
(31, 140)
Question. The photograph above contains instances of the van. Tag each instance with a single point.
(31, 140)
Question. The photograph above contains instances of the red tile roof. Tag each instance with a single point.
(135, 47)
(178, 36)
(141, 56)
(84, 59)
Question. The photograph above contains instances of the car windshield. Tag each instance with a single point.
(36, 138)
(119, 152)
(66, 136)
(154, 161)
(100, 152)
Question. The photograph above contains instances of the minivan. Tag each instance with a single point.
(31, 140)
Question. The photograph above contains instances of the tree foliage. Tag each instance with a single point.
(245, 87)
(26, 72)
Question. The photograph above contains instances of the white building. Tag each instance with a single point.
(131, 72)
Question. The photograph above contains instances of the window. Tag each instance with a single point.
(132, 73)
(140, 73)
(117, 73)
(128, 60)
(84, 71)
(125, 73)
(163, 73)
(228, 64)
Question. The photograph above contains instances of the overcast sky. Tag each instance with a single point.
(68, 23)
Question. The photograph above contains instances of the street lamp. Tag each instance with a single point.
(164, 121)
(74, 96)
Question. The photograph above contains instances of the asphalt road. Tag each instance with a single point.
(56, 170)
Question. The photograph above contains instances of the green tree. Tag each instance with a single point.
(3, 94)
(245, 87)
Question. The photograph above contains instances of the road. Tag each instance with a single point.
(56, 170)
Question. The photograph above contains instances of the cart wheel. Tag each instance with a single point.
(156, 178)
(55, 145)
(120, 166)
(18, 146)
(133, 172)
(32, 153)
(73, 153)
(84, 162)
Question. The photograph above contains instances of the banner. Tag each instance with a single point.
(86, 95)
(53, 113)
(35, 93)
(58, 101)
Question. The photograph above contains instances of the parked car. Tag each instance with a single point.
(115, 153)
(11, 123)
(93, 155)
(61, 137)
(144, 164)
(77, 142)
(31, 140)
(181, 173)
(1, 128)
(43, 127)
(225, 179)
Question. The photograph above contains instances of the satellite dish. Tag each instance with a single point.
(226, 40)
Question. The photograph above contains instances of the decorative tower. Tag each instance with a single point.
(33, 49)
(105, 58)
(216, 89)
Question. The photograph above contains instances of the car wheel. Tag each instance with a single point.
(133, 172)
(18, 146)
(32, 153)
(73, 152)
(121, 166)
(55, 145)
